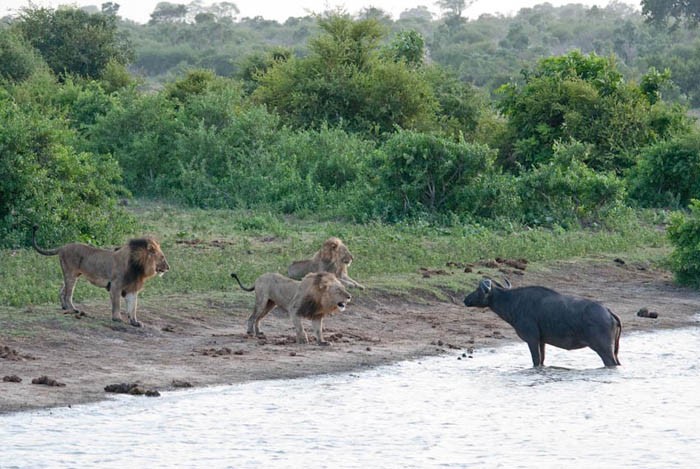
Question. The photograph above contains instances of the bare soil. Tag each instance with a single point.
(204, 342)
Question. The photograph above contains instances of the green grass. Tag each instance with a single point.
(204, 246)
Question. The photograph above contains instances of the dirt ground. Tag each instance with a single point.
(205, 344)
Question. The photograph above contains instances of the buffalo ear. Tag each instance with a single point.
(485, 286)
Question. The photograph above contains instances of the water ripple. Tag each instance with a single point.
(491, 410)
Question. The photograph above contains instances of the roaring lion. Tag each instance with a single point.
(121, 271)
(315, 296)
(333, 257)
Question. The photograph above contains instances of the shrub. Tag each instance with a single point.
(45, 181)
(565, 191)
(684, 233)
(427, 174)
(667, 174)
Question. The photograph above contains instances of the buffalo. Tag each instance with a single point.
(542, 316)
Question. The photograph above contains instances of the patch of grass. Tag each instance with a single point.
(204, 246)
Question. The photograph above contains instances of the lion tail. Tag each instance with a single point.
(45, 252)
(240, 284)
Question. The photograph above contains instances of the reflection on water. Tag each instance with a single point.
(491, 410)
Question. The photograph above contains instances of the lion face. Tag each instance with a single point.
(332, 293)
(158, 258)
(325, 294)
(146, 254)
(334, 250)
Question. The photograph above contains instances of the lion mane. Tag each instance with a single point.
(314, 297)
(333, 257)
(122, 271)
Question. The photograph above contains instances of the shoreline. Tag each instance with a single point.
(203, 342)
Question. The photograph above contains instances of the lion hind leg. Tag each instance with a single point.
(69, 282)
(262, 307)
(131, 300)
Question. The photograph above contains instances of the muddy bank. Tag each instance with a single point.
(204, 343)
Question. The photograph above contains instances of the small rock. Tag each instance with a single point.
(181, 384)
(121, 388)
(12, 379)
(47, 381)
(645, 313)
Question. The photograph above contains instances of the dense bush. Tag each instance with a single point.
(45, 181)
(566, 192)
(684, 233)
(667, 174)
(427, 174)
(584, 97)
(141, 132)
(345, 82)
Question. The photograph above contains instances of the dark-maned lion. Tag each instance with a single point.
(333, 257)
(121, 271)
(315, 296)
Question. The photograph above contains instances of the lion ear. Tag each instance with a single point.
(333, 244)
(323, 281)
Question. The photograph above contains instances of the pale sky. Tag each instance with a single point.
(280, 10)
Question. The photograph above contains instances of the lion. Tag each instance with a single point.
(315, 296)
(121, 271)
(333, 257)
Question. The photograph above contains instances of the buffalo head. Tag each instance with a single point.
(481, 296)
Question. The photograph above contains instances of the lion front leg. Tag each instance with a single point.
(317, 324)
(350, 282)
(131, 302)
(302, 338)
(116, 303)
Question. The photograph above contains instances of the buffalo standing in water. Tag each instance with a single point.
(542, 316)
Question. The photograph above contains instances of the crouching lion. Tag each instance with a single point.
(122, 271)
(333, 257)
(314, 297)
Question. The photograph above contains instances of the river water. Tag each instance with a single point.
(488, 410)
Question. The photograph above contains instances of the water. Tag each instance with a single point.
(491, 410)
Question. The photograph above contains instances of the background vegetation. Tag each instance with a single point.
(568, 119)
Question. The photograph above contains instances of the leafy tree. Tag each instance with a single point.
(659, 11)
(408, 46)
(584, 97)
(166, 12)
(461, 105)
(18, 60)
(344, 82)
(110, 8)
(73, 41)
(453, 7)
(71, 194)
